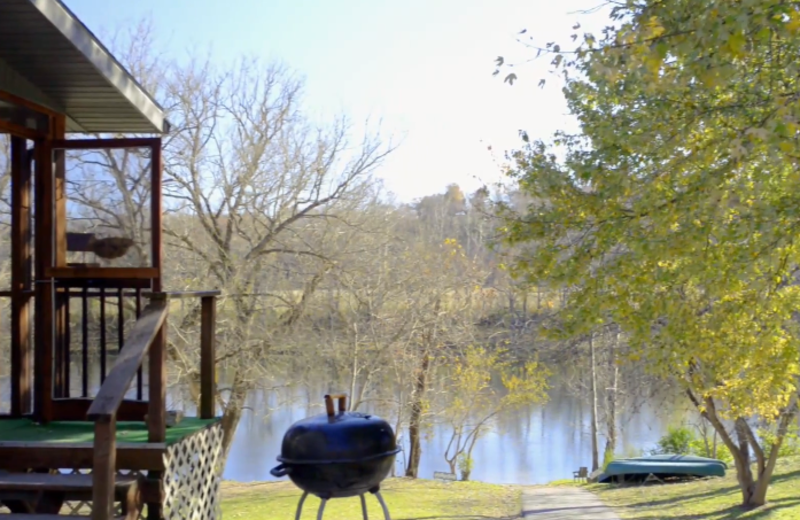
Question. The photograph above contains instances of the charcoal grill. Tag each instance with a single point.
(338, 454)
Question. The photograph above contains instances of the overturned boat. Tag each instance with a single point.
(662, 467)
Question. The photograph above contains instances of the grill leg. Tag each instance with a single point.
(383, 506)
(300, 505)
(364, 507)
(321, 508)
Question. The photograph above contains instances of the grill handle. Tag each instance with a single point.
(281, 470)
(342, 398)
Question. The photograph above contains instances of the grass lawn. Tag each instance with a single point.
(714, 499)
(407, 499)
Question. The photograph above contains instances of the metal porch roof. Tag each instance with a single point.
(62, 65)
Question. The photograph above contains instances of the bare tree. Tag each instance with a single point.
(265, 190)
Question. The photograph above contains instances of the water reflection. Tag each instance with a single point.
(531, 446)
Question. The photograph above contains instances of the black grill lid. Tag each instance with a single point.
(337, 437)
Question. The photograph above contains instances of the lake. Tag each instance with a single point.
(535, 445)
(532, 446)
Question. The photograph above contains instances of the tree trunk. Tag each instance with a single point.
(233, 413)
(465, 474)
(595, 454)
(452, 464)
(415, 419)
(753, 489)
(611, 413)
(354, 374)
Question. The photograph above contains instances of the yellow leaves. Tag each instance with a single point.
(735, 44)
(709, 78)
(471, 385)
(793, 25)
(681, 235)
(653, 63)
(654, 28)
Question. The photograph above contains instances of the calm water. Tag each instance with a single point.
(531, 446)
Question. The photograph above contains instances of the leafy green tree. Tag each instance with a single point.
(675, 211)
(476, 402)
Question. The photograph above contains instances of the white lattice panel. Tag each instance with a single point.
(192, 477)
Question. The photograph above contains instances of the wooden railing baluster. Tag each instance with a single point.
(139, 389)
(67, 345)
(85, 341)
(102, 335)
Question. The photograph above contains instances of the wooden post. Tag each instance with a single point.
(157, 393)
(104, 469)
(156, 208)
(43, 357)
(20, 277)
(156, 407)
(208, 356)
(60, 259)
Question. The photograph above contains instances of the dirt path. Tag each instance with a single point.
(563, 503)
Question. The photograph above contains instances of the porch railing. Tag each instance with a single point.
(148, 336)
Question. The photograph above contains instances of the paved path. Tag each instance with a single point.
(563, 503)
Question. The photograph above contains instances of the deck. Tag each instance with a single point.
(28, 431)
(188, 459)
(25, 444)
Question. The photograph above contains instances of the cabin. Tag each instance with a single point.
(85, 430)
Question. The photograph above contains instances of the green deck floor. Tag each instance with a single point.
(25, 430)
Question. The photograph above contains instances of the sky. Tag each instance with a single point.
(421, 68)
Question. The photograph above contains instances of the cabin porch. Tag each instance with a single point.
(86, 290)
(187, 461)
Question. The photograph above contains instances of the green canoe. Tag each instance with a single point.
(662, 466)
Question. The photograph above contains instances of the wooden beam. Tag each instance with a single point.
(22, 102)
(104, 283)
(145, 332)
(208, 391)
(20, 131)
(60, 193)
(157, 415)
(157, 391)
(88, 273)
(178, 295)
(106, 144)
(21, 258)
(43, 358)
(61, 369)
(103, 469)
(19, 456)
(156, 212)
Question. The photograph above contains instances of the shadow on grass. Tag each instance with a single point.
(733, 512)
(459, 517)
(687, 496)
(793, 475)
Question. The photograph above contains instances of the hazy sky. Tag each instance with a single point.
(423, 67)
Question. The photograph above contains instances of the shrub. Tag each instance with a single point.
(790, 446)
(682, 440)
(677, 441)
